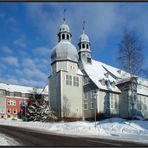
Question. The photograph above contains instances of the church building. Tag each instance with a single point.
(80, 87)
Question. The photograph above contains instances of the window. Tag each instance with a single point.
(75, 81)
(107, 83)
(68, 80)
(139, 103)
(17, 94)
(83, 45)
(23, 94)
(91, 105)
(15, 111)
(11, 102)
(144, 103)
(63, 36)
(89, 60)
(87, 46)
(67, 37)
(85, 106)
(9, 110)
(11, 93)
(86, 80)
(113, 101)
(2, 92)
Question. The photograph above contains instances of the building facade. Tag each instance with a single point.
(80, 86)
(13, 98)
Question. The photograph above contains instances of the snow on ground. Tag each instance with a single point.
(113, 128)
(7, 141)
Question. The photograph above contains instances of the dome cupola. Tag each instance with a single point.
(64, 50)
(84, 38)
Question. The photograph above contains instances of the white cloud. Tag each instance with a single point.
(33, 83)
(6, 49)
(34, 73)
(43, 51)
(11, 61)
(20, 42)
(29, 63)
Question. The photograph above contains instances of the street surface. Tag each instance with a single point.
(30, 137)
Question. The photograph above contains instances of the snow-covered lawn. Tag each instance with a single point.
(114, 128)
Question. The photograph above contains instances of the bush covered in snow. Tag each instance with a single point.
(38, 109)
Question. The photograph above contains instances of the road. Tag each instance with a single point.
(30, 137)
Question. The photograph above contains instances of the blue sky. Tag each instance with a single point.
(28, 32)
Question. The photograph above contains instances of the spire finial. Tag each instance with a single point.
(83, 26)
(64, 15)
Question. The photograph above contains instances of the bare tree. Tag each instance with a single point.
(131, 60)
(130, 53)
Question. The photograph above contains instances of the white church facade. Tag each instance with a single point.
(80, 86)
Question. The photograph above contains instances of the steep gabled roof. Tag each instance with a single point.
(97, 71)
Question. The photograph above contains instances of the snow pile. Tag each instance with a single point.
(114, 128)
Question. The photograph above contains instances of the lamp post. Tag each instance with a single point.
(95, 104)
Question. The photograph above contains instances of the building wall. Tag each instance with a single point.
(108, 102)
(55, 93)
(71, 96)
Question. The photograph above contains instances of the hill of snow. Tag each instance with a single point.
(113, 128)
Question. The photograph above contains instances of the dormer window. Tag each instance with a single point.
(102, 82)
(89, 60)
(119, 71)
(106, 75)
(107, 83)
(113, 84)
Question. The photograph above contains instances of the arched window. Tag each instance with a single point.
(83, 45)
(67, 36)
(87, 46)
(63, 36)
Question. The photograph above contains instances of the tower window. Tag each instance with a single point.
(75, 81)
(83, 45)
(68, 80)
(87, 46)
(67, 37)
(63, 36)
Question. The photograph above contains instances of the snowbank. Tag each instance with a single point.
(114, 128)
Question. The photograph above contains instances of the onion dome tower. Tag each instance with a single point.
(84, 47)
(64, 50)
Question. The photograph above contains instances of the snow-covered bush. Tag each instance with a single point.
(38, 109)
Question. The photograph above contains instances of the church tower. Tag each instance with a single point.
(84, 47)
(65, 81)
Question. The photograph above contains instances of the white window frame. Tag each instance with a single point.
(69, 80)
(86, 107)
(91, 105)
(14, 109)
(9, 110)
(75, 81)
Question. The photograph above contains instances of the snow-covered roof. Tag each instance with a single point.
(22, 89)
(97, 72)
